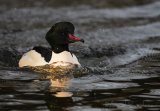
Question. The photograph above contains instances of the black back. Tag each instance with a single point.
(45, 52)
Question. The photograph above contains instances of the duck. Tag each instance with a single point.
(59, 36)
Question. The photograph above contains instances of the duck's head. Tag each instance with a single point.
(61, 35)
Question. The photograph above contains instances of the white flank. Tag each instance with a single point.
(32, 58)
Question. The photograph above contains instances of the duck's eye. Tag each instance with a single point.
(63, 33)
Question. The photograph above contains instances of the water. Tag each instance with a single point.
(120, 56)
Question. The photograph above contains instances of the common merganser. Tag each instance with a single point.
(59, 37)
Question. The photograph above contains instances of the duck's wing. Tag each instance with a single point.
(46, 53)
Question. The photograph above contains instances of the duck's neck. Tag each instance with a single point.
(60, 48)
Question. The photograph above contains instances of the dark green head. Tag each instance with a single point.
(62, 33)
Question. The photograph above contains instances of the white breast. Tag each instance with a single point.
(32, 58)
(63, 59)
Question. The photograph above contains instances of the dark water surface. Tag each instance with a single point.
(121, 56)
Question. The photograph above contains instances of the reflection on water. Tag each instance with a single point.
(63, 94)
(59, 87)
(60, 78)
